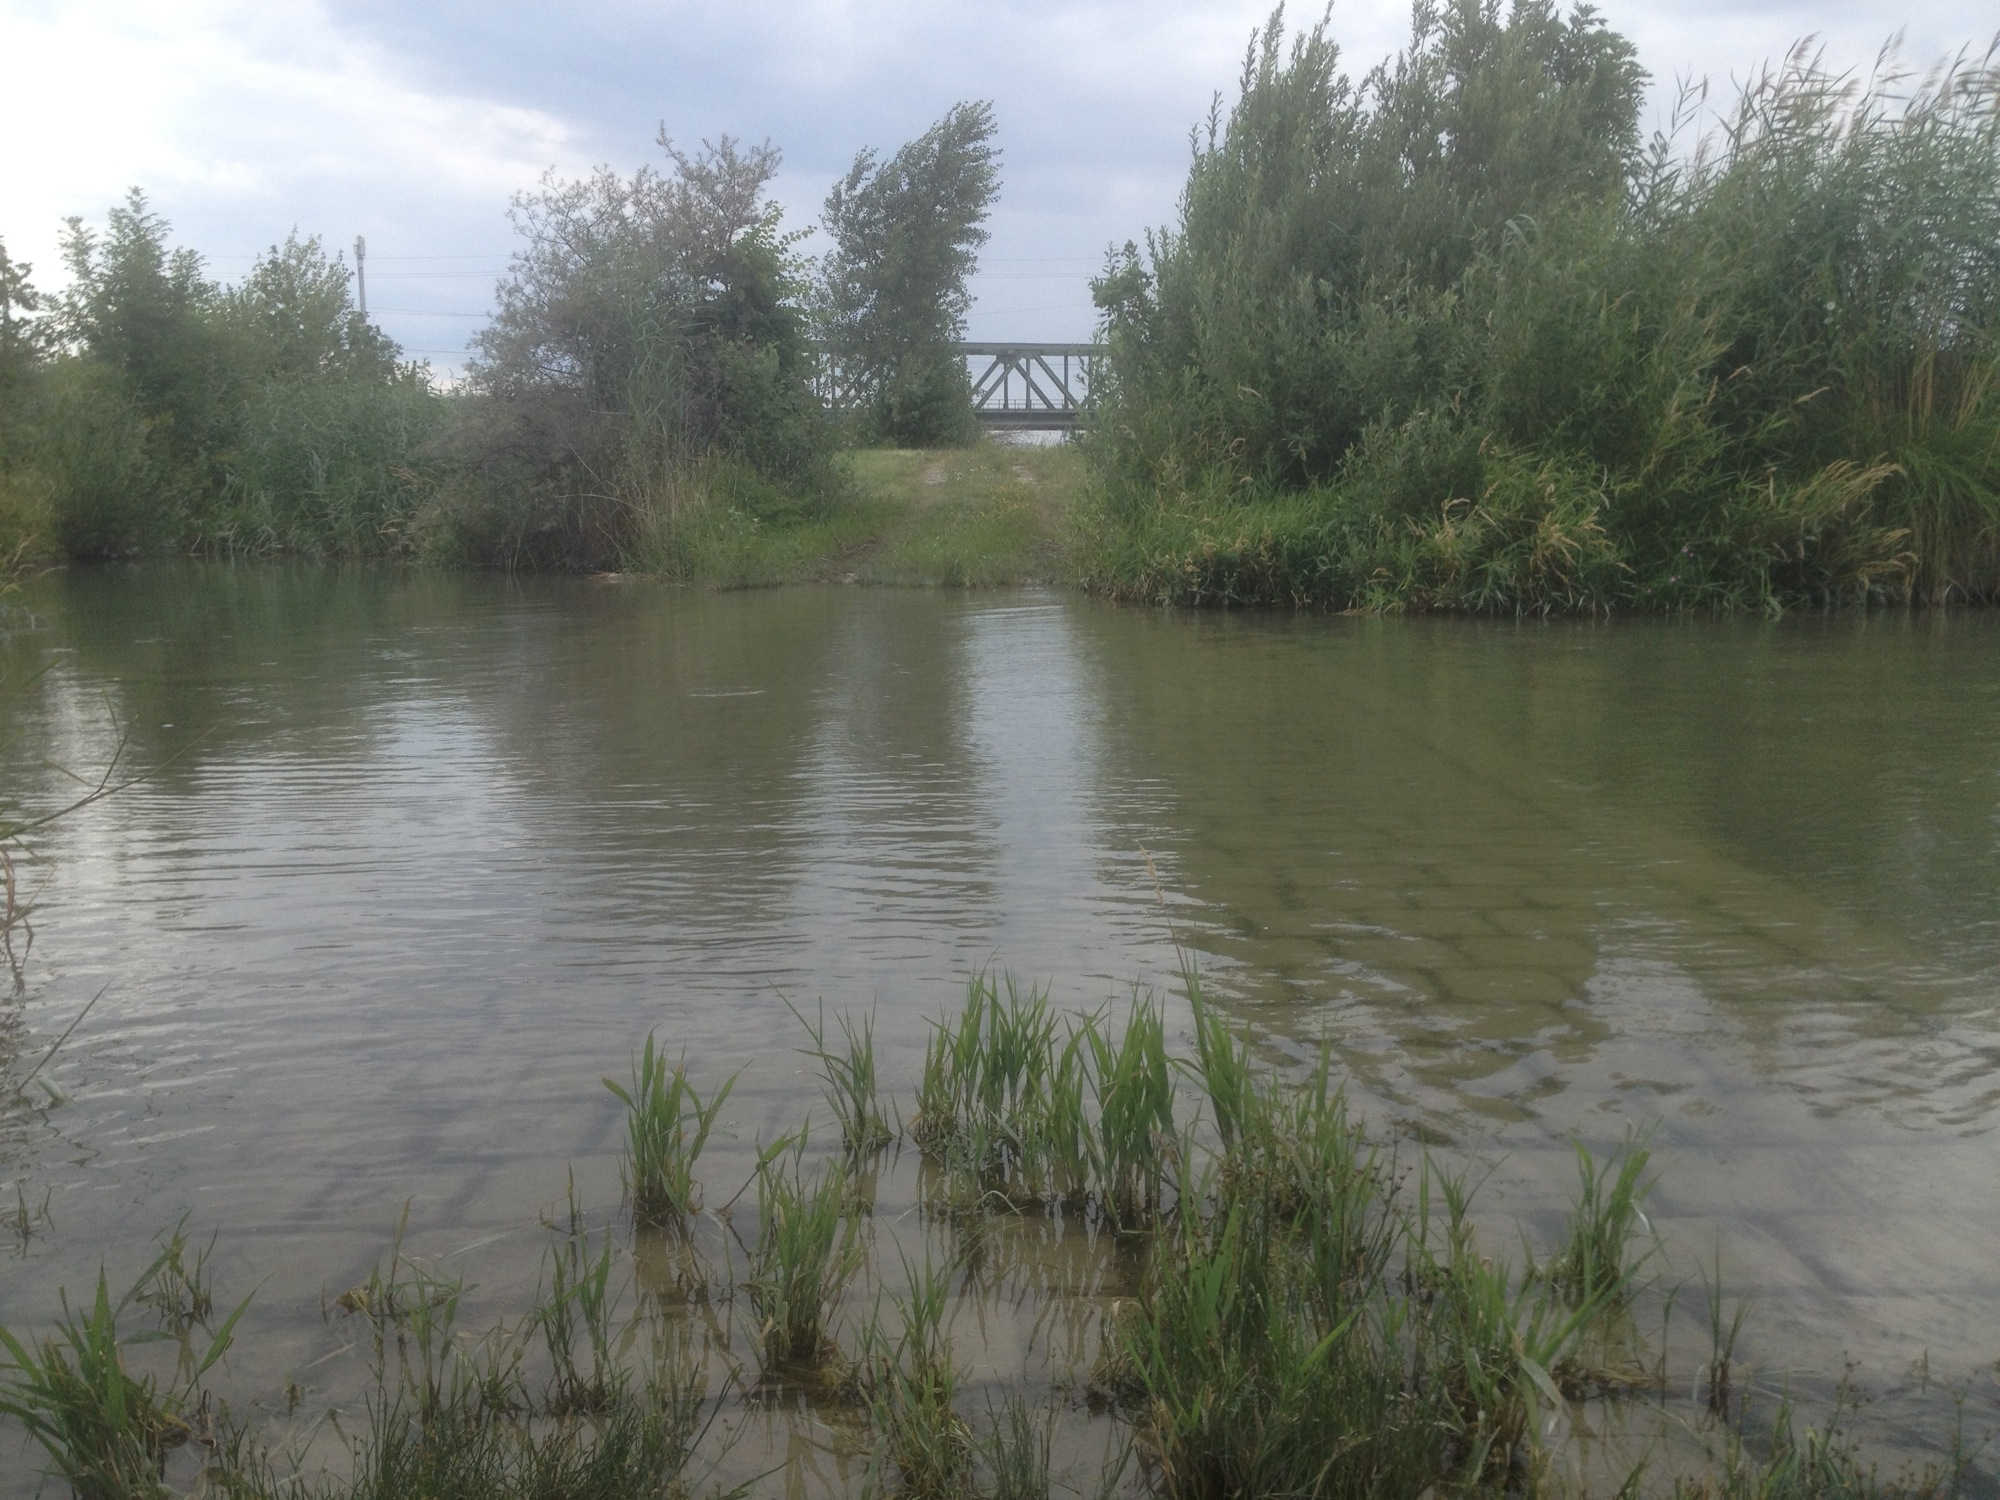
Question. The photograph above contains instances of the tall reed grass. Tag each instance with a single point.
(1750, 368)
(667, 1123)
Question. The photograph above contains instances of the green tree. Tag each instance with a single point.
(647, 323)
(150, 316)
(298, 321)
(1308, 287)
(906, 236)
(21, 332)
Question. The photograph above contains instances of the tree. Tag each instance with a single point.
(1310, 286)
(21, 334)
(298, 322)
(149, 316)
(646, 323)
(906, 236)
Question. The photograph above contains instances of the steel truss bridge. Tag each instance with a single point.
(1022, 386)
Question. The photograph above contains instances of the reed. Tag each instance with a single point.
(808, 1249)
(848, 1080)
(105, 1431)
(1595, 1259)
(667, 1123)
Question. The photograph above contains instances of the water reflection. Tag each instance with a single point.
(424, 856)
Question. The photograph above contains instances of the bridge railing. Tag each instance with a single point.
(1014, 384)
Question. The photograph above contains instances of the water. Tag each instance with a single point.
(421, 858)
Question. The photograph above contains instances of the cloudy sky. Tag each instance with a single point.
(414, 121)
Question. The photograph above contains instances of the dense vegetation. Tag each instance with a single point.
(1449, 338)
(149, 408)
(645, 395)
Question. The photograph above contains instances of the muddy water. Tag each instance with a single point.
(420, 859)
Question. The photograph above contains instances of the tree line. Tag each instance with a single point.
(648, 367)
(1450, 333)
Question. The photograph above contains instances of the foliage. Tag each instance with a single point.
(294, 314)
(106, 1430)
(149, 315)
(1305, 286)
(648, 325)
(22, 335)
(667, 1124)
(1444, 339)
(162, 410)
(906, 235)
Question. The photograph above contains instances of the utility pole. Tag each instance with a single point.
(361, 272)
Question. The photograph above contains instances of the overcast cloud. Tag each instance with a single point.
(414, 123)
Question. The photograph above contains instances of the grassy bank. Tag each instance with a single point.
(1236, 1291)
(985, 516)
(989, 515)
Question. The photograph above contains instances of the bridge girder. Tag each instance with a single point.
(1015, 385)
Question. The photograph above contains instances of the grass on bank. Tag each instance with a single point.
(988, 515)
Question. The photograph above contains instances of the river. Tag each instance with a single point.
(420, 858)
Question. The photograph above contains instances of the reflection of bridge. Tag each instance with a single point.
(1014, 385)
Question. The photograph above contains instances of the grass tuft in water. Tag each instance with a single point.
(1719, 1372)
(808, 1249)
(1595, 1258)
(911, 1386)
(667, 1124)
(1134, 1094)
(847, 1078)
(180, 1290)
(577, 1311)
(106, 1431)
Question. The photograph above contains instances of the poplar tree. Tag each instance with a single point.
(906, 234)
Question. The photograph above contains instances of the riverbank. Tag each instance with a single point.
(986, 516)
(991, 515)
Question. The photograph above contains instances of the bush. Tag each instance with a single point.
(1501, 361)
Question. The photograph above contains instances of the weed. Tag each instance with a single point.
(667, 1124)
(808, 1249)
(1721, 1343)
(106, 1431)
(911, 1387)
(578, 1303)
(1134, 1137)
(1017, 1450)
(1593, 1261)
(179, 1291)
(27, 1217)
(848, 1080)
